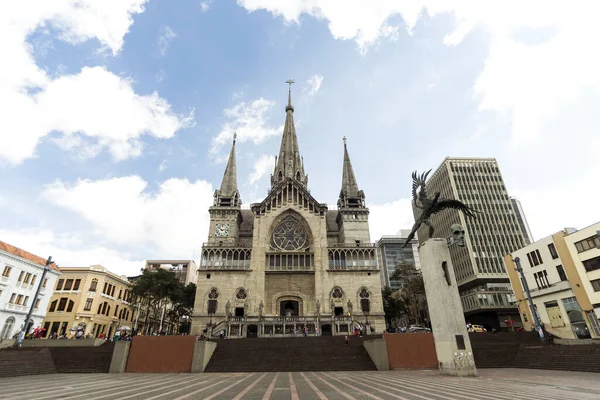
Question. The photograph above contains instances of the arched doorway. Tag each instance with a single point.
(326, 330)
(8, 326)
(252, 331)
(289, 308)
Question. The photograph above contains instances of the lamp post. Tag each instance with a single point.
(536, 319)
(37, 292)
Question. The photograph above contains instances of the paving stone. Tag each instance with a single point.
(492, 384)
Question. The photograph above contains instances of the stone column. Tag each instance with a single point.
(450, 335)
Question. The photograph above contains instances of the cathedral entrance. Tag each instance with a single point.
(252, 331)
(288, 308)
(326, 330)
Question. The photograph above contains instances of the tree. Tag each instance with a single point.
(393, 307)
(157, 289)
(183, 305)
(413, 290)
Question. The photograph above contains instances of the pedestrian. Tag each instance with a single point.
(347, 340)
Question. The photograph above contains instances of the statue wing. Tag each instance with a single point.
(455, 205)
(413, 232)
(419, 185)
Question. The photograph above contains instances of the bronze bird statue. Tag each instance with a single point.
(431, 206)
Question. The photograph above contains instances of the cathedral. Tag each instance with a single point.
(288, 265)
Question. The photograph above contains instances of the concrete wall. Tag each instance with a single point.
(411, 351)
(118, 363)
(377, 350)
(203, 351)
(161, 354)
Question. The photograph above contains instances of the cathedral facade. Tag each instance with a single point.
(288, 265)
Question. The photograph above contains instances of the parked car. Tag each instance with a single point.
(477, 328)
(418, 328)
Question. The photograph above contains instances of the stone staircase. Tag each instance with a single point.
(83, 359)
(25, 361)
(292, 354)
(557, 357)
(526, 350)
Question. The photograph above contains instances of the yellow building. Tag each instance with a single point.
(90, 300)
(563, 275)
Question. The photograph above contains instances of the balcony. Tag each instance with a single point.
(225, 258)
(289, 262)
(353, 258)
(556, 287)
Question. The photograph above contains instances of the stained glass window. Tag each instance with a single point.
(289, 235)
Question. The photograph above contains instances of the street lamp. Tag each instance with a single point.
(37, 292)
(538, 324)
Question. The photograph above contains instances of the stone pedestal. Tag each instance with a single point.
(452, 343)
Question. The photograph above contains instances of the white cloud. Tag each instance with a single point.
(249, 120)
(539, 51)
(262, 166)
(67, 250)
(551, 208)
(93, 103)
(389, 218)
(171, 223)
(166, 35)
(205, 5)
(162, 166)
(314, 83)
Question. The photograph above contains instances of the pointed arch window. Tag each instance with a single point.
(365, 303)
(212, 301)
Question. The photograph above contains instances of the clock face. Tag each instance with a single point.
(222, 230)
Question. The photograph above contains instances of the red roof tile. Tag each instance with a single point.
(26, 255)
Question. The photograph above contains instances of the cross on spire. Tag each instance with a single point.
(290, 82)
(344, 140)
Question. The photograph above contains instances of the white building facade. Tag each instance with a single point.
(21, 274)
(563, 275)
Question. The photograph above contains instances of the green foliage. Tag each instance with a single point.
(160, 290)
(413, 290)
(393, 307)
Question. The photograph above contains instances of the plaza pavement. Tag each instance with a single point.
(499, 384)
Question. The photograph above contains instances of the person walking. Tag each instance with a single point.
(347, 340)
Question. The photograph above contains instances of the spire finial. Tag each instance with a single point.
(290, 82)
(344, 140)
(234, 136)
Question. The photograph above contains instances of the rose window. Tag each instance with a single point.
(241, 294)
(364, 294)
(289, 235)
(213, 294)
(337, 293)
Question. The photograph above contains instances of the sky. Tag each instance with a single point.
(117, 116)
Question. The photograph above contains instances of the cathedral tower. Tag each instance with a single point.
(353, 216)
(225, 214)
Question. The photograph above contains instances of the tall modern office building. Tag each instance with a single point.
(484, 287)
(390, 254)
(522, 220)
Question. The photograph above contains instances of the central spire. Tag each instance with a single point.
(289, 163)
